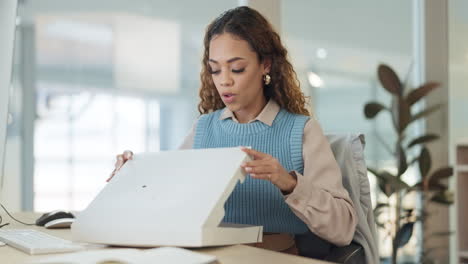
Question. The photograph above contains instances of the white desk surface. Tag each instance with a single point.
(226, 254)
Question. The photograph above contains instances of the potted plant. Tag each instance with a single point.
(408, 151)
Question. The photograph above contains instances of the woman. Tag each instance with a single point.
(250, 96)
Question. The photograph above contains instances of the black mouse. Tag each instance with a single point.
(47, 217)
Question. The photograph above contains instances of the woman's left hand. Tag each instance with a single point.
(267, 167)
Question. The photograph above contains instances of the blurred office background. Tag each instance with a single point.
(93, 78)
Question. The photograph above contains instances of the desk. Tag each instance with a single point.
(226, 254)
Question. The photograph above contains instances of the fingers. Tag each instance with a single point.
(122, 158)
(111, 176)
(260, 169)
(128, 155)
(264, 169)
(120, 161)
(269, 165)
(256, 163)
(115, 169)
(255, 154)
(261, 172)
(263, 176)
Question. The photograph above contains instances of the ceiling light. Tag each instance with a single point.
(321, 53)
(314, 80)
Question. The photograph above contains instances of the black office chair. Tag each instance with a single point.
(312, 246)
(350, 254)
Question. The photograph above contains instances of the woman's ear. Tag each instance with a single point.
(266, 66)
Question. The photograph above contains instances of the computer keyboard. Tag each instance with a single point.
(36, 242)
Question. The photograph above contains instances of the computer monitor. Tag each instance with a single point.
(8, 9)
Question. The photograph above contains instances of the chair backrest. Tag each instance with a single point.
(348, 150)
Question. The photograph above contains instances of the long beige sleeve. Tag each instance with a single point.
(319, 198)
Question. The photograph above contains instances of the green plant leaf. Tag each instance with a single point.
(389, 80)
(416, 187)
(402, 165)
(379, 209)
(423, 140)
(442, 173)
(437, 176)
(437, 187)
(384, 185)
(372, 109)
(426, 112)
(443, 197)
(418, 93)
(396, 184)
(404, 235)
(380, 224)
(404, 114)
(427, 186)
(401, 114)
(409, 211)
(408, 214)
(381, 205)
(414, 160)
(373, 171)
(420, 187)
(425, 162)
(389, 183)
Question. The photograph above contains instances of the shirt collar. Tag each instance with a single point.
(266, 116)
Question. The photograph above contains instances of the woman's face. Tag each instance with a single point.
(237, 74)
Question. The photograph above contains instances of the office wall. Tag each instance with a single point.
(458, 69)
(458, 93)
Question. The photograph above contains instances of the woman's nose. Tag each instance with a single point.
(226, 79)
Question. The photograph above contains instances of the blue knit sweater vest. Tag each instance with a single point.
(258, 202)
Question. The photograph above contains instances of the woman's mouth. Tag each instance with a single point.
(228, 97)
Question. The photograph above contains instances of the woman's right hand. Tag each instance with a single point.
(121, 159)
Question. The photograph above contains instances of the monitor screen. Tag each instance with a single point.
(8, 10)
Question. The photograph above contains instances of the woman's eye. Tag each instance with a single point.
(214, 71)
(238, 71)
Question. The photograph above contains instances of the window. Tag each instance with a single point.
(76, 139)
(107, 77)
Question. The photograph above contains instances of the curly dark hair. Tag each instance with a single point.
(249, 25)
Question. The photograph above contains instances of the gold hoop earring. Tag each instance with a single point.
(267, 79)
